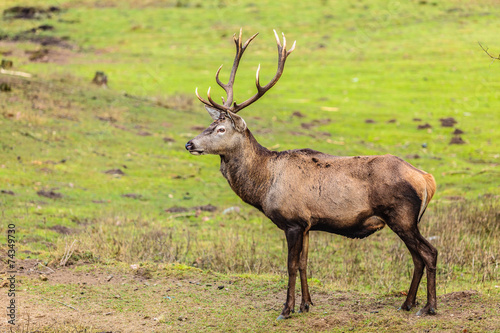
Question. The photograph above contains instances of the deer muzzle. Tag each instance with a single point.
(190, 147)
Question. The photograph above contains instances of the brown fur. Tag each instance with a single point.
(302, 190)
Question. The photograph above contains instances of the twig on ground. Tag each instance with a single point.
(14, 73)
(53, 300)
(486, 51)
(46, 267)
(68, 252)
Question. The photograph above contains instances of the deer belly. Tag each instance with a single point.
(361, 227)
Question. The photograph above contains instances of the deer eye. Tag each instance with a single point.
(221, 130)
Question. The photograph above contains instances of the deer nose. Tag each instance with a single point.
(189, 145)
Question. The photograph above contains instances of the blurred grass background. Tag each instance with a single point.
(364, 76)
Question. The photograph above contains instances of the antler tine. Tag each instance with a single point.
(261, 90)
(214, 104)
(237, 41)
(210, 102)
(219, 82)
(277, 39)
(249, 40)
(201, 99)
(291, 50)
(228, 87)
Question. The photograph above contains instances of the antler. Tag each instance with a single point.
(261, 90)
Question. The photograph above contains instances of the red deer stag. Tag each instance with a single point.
(302, 190)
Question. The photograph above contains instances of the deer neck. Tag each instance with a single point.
(247, 170)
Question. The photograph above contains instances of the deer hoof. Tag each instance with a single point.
(304, 308)
(426, 310)
(405, 307)
(280, 317)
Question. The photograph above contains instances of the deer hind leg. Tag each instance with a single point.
(423, 254)
(306, 297)
(418, 271)
(429, 255)
(294, 238)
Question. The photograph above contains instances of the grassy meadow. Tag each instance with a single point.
(98, 179)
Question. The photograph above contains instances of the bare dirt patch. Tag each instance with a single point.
(171, 298)
(457, 140)
(49, 194)
(61, 229)
(30, 13)
(424, 126)
(205, 208)
(448, 122)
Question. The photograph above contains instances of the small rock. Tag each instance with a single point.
(43, 277)
(234, 209)
(220, 287)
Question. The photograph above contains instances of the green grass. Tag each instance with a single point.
(353, 62)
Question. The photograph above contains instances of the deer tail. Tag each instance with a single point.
(429, 190)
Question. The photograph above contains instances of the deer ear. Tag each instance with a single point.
(239, 123)
(213, 112)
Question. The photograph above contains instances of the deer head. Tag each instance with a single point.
(227, 130)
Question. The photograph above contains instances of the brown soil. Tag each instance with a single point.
(61, 229)
(30, 13)
(205, 208)
(115, 172)
(7, 192)
(457, 140)
(298, 114)
(424, 126)
(143, 299)
(448, 122)
(132, 195)
(51, 54)
(49, 194)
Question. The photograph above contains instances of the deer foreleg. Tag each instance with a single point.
(306, 297)
(294, 238)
